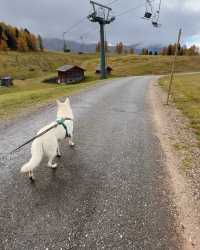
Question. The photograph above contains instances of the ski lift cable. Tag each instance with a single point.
(112, 2)
(130, 10)
(120, 14)
(82, 19)
(75, 25)
(85, 18)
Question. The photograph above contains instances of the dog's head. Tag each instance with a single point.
(64, 108)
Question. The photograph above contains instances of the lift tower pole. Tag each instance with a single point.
(101, 14)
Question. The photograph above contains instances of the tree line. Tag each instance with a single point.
(119, 48)
(12, 38)
(182, 50)
(168, 50)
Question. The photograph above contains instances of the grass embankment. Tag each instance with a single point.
(186, 96)
(31, 69)
(33, 93)
(126, 65)
(36, 64)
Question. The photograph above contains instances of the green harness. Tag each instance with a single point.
(61, 121)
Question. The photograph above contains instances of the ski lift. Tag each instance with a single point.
(156, 17)
(148, 10)
(101, 12)
(155, 20)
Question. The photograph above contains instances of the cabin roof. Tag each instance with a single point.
(67, 67)
(99, 67)
(6, 78)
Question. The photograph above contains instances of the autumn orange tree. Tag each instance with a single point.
(119, 48)
(98, 47)
(12, 38)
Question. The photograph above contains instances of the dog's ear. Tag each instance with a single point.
(67, 100)
(58, 102)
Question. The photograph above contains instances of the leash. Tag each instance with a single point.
(58, 122)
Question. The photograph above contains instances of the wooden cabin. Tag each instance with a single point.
(70, 74)
(6, 81)
(108, 68)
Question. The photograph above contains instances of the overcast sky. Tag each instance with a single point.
(51, 17)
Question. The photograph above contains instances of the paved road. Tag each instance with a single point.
(110, 192)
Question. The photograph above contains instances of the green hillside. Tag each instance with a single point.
(30, 70)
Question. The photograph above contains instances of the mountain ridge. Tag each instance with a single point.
(56, 44)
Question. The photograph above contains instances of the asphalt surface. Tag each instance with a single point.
(110, 192)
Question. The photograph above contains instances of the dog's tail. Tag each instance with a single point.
(37, 155)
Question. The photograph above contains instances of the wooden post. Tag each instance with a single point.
(173, 66)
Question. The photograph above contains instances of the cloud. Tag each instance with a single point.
(51, 18)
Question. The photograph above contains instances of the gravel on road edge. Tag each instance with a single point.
(182, 158)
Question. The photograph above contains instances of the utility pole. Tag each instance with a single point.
(64, 42)
(173, 66)
(101, 15)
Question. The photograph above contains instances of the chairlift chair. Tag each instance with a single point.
(156, 24)
(149, 10)
(155, 20)
(156, 17)
(147, 15)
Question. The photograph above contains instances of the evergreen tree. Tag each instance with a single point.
(170, 50)
(34, 42)
(14, 39)
(40, 43)
(11, 38)
(144, 51)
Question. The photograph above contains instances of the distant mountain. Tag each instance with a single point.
(57, 45)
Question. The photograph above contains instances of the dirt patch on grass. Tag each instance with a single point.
(182, 160)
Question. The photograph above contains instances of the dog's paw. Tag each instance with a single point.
(55, 165)
(72, 144)
(31, 178)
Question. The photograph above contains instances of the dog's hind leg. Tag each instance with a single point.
(50, 162)
(52, 154)
(71, 143)
(51, 147)
(30, 175)
(58, 151)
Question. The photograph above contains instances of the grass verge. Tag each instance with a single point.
(34, 93)
(186, 96)
(31, 69)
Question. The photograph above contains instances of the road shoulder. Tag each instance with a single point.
(182, 156)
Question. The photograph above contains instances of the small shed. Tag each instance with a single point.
(70, 74)
(108, 68)
(6, 81)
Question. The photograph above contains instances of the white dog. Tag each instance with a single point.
(48, 144)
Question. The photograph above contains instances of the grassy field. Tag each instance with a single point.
(31, 69)
(30, 65)
(32, 93)
(186, 96)
(34, 64)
